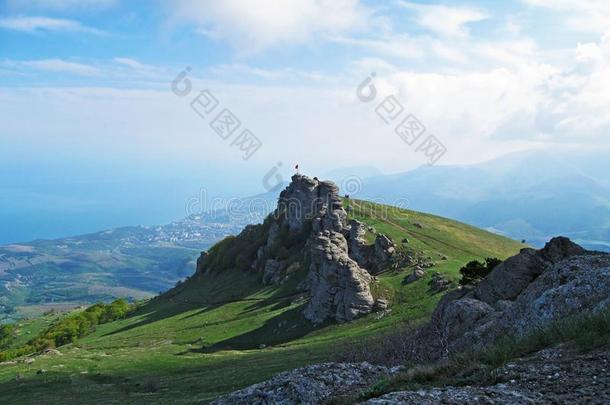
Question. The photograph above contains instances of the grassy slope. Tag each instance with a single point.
(205, 338)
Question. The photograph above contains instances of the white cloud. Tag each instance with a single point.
(60, 4)
(508, 94)
(582, 15)
(34, 24)
(396, 46)
(139, 68)
(263, 24)
(445, 20)
(54, 65)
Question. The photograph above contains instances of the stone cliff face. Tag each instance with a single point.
(310, 218)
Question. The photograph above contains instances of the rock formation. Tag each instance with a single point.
(310, 227)
(525, 292)
(309, 385)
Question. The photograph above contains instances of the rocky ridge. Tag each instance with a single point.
(340, 265)
(557, 375)
(309, 385)
(526, 291)
(522, 294)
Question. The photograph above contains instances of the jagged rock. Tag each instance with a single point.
(310, 226)
(525, 292)
(381, 305)
(309, 385)
(339, 288)
(418, 273)
(358, 248)
(557, 375)
(514, 274)
(439, 283)
(338, 282)
(273, 273)
(371, 258)
(384, 248)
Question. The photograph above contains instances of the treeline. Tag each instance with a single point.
(71, 327)
(7, 335)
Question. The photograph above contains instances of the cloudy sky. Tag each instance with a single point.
(85, 85)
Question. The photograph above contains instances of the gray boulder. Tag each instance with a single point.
(526, 292)
(384, 248)
(418, 273)
(309, 385)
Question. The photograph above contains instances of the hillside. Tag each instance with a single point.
(129, 262)
(224, 329)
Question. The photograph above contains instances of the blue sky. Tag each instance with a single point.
(86, 97)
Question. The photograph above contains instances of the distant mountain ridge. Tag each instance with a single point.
(531, 195)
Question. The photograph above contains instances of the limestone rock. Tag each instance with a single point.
(381, 305)
(358, 248)
(273, 272)
(384, 248)
(439, 283)
(513, 275)
(339, 288)
(525, 292)
(551, 376)
(338, 281)
(310, 226)
(309, 385)
(418, 273)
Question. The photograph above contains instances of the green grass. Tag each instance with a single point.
(224, 331)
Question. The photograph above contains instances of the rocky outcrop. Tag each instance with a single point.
(384, 248)
(338, 287)
(371, 257)
(309, 385)
(310, 226)
(551, 376)
(438, 283)
(525, 292)
(417, 273)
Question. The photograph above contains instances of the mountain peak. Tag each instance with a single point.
(309, 233)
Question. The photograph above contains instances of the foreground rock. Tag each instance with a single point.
(310, 226)
(523, 293)
(551, 376)
(309, 385)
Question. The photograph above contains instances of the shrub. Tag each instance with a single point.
(71, 327)
(475, 270)
(7, 335)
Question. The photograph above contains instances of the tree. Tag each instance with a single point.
(473, 272)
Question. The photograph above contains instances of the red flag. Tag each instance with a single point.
(296, 167)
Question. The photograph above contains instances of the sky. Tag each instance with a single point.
(97, 128)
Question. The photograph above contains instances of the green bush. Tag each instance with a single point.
(71, 327)
(475, 270)
(7, 335)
